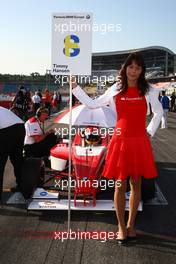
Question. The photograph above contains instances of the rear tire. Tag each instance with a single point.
(148, 189)
(32, 176)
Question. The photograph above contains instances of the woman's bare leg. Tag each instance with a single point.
(135, 196)
(119, 203)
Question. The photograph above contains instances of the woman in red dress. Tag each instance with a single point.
(130, 153)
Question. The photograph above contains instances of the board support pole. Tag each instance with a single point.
(70, 158)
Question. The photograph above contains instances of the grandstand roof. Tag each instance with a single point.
(133, 50)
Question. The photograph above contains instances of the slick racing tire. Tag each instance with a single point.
(148, 189)
(32, 176)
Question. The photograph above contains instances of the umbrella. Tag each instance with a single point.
(82, 116)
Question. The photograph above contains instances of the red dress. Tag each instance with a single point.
(130, 152)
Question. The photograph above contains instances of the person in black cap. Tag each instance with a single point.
(37, 142)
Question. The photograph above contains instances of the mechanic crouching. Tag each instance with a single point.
(37, 143)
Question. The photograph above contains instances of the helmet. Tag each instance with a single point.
(92, 139)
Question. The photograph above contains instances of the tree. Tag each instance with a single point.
(35, 74)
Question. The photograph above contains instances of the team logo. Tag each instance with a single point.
(48, 203)
(43, 193)
(71, 46)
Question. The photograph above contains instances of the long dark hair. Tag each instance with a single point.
(142, 83)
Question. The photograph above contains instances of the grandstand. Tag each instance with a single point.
(160, 66)
(160, 61)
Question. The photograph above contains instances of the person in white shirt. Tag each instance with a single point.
(36, 99)
(37, 142)
(12, 134)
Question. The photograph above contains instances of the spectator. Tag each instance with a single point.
(173, 98)
(12, 134)
(55, 101)
(29, 104)
(59, 96)
(48, 100)
(19, 104)
(159, 97)
(165, 104)
(39, 94)
(36, 100)
(22, 88)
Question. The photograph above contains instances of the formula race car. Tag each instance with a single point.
(47, 188)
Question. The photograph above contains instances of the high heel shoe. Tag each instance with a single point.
(132, 238)
(122, 242)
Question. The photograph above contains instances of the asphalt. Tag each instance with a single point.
(30, 238)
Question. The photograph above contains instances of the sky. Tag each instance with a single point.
(25, 28)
